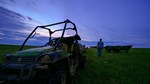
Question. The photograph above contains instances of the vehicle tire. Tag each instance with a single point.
(63, 79)
(57, 78)
(83, 64)
(61, 76)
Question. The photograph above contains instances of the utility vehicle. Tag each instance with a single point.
(55, 62)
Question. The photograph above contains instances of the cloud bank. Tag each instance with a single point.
(123, 22)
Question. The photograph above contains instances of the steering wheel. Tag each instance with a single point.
(51, 43)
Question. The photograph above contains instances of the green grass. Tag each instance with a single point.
(111, 68)
(116, 68)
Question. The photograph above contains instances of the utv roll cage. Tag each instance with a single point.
(51, 32)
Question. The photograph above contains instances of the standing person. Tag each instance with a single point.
(100, 46)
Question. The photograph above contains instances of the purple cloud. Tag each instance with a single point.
(118, 21)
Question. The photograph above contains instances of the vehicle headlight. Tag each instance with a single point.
(45, 58)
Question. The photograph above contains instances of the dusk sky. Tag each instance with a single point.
(115, 21)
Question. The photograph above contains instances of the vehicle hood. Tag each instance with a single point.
(33, 51)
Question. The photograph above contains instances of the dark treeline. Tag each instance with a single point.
(118, 49)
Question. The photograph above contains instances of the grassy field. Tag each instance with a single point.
(111, 68)
(116, 68)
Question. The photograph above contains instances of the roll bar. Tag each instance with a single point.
(51, 32)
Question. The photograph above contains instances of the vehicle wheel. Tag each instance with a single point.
(60, 77)
(63, 79)
(83, 62)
